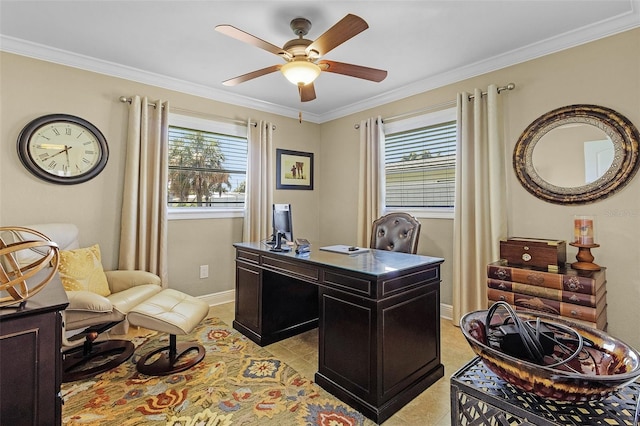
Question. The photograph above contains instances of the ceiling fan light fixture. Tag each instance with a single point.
(300, 73)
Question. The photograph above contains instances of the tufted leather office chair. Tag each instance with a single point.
(396, 232)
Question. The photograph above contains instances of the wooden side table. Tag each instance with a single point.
(479, 397)
(31, 359)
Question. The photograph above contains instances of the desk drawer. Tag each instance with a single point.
(405, 282)
(279, 264)
(248, 256)
(350, 284)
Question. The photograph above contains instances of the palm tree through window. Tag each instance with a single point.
(206, 169)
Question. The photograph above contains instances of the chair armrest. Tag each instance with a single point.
(123, 280)
(89, 301)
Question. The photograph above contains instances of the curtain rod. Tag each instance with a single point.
(437, 107)
(509, 86)
(124, 99)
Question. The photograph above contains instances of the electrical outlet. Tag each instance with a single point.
(204, 271)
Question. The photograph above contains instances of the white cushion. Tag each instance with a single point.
(84, 300)
(63, 234)
(125, 300)
(169, 311)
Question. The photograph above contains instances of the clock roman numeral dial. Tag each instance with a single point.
(62, 148)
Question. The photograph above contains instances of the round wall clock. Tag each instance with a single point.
(63, 149)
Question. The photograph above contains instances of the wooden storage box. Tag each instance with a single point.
(535, 252)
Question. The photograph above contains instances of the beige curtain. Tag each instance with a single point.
(143, 233)
(260, 183)
(480, 205)
(371, 177)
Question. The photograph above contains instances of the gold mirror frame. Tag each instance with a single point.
(623, 134)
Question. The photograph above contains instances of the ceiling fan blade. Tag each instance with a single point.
(251, 75)
(245, 37)
(351, 70)
(307, 92)
(347, 27)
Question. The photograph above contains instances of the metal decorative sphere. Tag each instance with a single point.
(24, 253)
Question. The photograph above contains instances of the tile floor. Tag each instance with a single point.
(431, 408)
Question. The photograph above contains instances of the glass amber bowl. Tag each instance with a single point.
(607, 364)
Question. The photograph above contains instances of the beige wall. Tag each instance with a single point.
(606, 72)
(31, 88)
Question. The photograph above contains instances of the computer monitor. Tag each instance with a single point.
(282, 221)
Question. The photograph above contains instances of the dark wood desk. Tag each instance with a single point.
(378, 318)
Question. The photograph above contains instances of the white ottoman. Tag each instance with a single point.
(172, 312)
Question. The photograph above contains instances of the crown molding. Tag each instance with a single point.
(596, 31)
(564, 41)
(87, 63)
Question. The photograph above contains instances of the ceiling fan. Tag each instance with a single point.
(302, 56)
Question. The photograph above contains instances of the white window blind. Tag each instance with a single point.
(206, 169)
(420, 166)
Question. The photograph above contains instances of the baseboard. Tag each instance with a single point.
(219, 298)
(446, 311)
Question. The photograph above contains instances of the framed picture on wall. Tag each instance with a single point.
(294, 169)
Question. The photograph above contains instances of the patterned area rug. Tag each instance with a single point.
(237, 383)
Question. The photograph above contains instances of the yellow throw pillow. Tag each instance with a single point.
(81, 269)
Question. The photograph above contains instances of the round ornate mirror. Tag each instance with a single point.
(577, 154)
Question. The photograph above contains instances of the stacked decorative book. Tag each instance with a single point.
(575, 295)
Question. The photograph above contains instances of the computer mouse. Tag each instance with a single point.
(353, 248)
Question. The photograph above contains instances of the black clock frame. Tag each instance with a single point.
(30, 129)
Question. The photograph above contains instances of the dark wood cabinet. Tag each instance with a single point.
(248, 290)
(31, 359)
(271, 306)
(378, 318)
(378, 354)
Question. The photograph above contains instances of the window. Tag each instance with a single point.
(207, 165)
(420, 158)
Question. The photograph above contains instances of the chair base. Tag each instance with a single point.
(168, 361)
(80, 363)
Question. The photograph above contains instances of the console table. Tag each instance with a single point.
(480, 397)
(377, 313)
(31, 360)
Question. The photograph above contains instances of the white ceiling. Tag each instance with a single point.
(422, 44)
